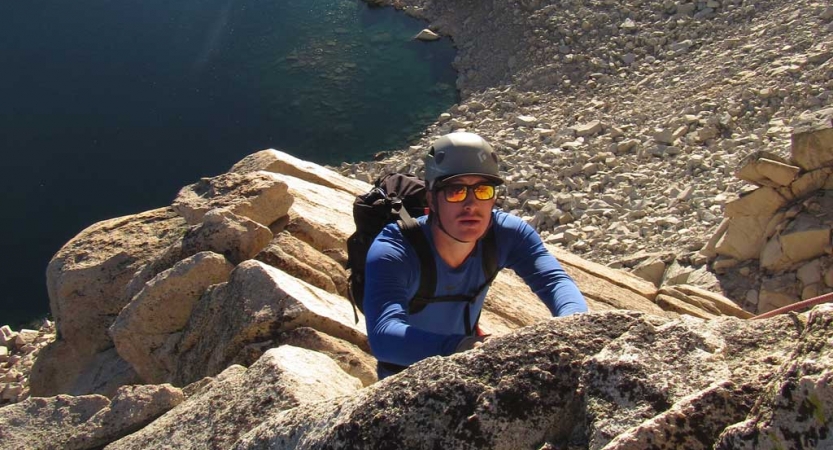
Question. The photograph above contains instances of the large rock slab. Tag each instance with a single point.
(85, 422)
(779, 173)
(607, 288)
(257, 304)
(321, 217)
(510, 305)
(303, 261)
(582, 381)
(702, 414)
(86, 281)
(260, 196)
(271, 160)
(806, 237)
(106, 372)
(47, 423)
(712, 301)
(350, 358)
(131, 408)
(812, 181)
(481, 400)
(236, 237)
(60, 366)
(744, 237)
(679, 304)
(654, 372)
(161, 309)
(611, 295)
(619, 278)
(812, 140)
(283, 378)
(765, 169)
(760, 202)
(86, 277)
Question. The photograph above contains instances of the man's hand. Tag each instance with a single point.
(470, 342)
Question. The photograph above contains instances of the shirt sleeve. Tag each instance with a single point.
(541, 271)
(391, 279)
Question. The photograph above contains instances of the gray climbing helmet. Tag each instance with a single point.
(459, 154)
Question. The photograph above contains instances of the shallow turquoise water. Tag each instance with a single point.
(108, 108)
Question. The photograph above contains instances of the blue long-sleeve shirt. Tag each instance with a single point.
(393, 276)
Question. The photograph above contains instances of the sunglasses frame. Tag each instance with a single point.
(468, 187)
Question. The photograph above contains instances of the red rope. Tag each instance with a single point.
(796, 306)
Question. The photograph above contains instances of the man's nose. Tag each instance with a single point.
(470, 199)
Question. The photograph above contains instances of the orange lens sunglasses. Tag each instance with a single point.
(456, 193)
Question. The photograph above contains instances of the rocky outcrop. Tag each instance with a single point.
(611, 287)
(210, 300)
(83, 422)
(239, 399)
(321, 217)
(143, 330)
(86, 281)
(274, 161)
(207, 283)
(603, 380)
(784, 223)
(612, 380)
(149, 262)
(257, 304)
(258, 196)
(796, 407)
(104, 256)
(351, 358)
(235, 237)
(303, 261)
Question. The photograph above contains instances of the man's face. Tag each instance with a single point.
(466, 220)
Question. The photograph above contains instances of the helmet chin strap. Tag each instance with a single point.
(442, 228)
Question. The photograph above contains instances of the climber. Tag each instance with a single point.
(469, 241)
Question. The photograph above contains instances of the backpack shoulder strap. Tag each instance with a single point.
(428, 271)
(490, 268)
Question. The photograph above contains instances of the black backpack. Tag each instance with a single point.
(393, 197)
(399, 198)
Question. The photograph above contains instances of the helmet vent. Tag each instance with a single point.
(439, 157)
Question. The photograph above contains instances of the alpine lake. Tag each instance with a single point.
(109, 108)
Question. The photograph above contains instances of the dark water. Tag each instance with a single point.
(108, 107)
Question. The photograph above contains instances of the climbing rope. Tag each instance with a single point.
(796, 306)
